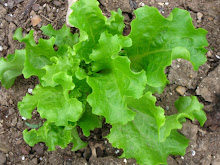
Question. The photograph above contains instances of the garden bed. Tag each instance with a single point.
(204, 145)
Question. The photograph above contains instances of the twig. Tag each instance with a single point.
(46, 18)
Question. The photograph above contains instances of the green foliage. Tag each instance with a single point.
(99, 73)
(153, 135)
(11, 68)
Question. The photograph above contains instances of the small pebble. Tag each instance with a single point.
(30, 90)
(23, 157)
(6, 4)
(199, 17)
(39, 149)
(161, 4)
(182, 157)
(218, 57)
(125, 161)
(23, 118)
(193, 153)
(117, 151)
(36, 7)
(166, 3)
(181, 90)
(35, 20)
(209, 53)
(56, 3)
(141, 4)
(1, 48)
(25, 149)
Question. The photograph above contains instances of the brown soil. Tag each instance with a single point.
(204, 145)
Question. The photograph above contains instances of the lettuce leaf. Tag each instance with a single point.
(156, 41)
(88, 18)
(52, 105)
(63, 36)
(188, 107)
(108, 99)
(61, 72)
(115, 24)
(149, 125)
(11, 68)
(37, 55)
(89, 121)
(54, 136)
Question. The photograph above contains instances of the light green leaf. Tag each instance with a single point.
(114, 81)
(52, 105)
(154, 90)
(11, 68)
(88, 17)
(157, 40)
(61, 72)
(108, 48)
(108, 98)
(152, 135)
(188, 107)
(148, 106)
(51, 134)
(18, 35)
(77, 142)
(116, 23)
(63, 36)
(37, 55)
(139, 138)
(89, 121)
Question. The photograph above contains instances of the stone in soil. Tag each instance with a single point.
(181, 90)
(199, 17)
(39, 149)
(25, 149)
(35, 20)
(209, 88)
(36, 7)
(57, 3)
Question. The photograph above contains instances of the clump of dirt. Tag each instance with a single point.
(204, 145)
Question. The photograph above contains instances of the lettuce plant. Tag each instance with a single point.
(99, 73)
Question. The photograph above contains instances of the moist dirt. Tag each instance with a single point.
(205, 141)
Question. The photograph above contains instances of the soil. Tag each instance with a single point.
(205, 141)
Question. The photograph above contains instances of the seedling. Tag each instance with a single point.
(99, 73)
